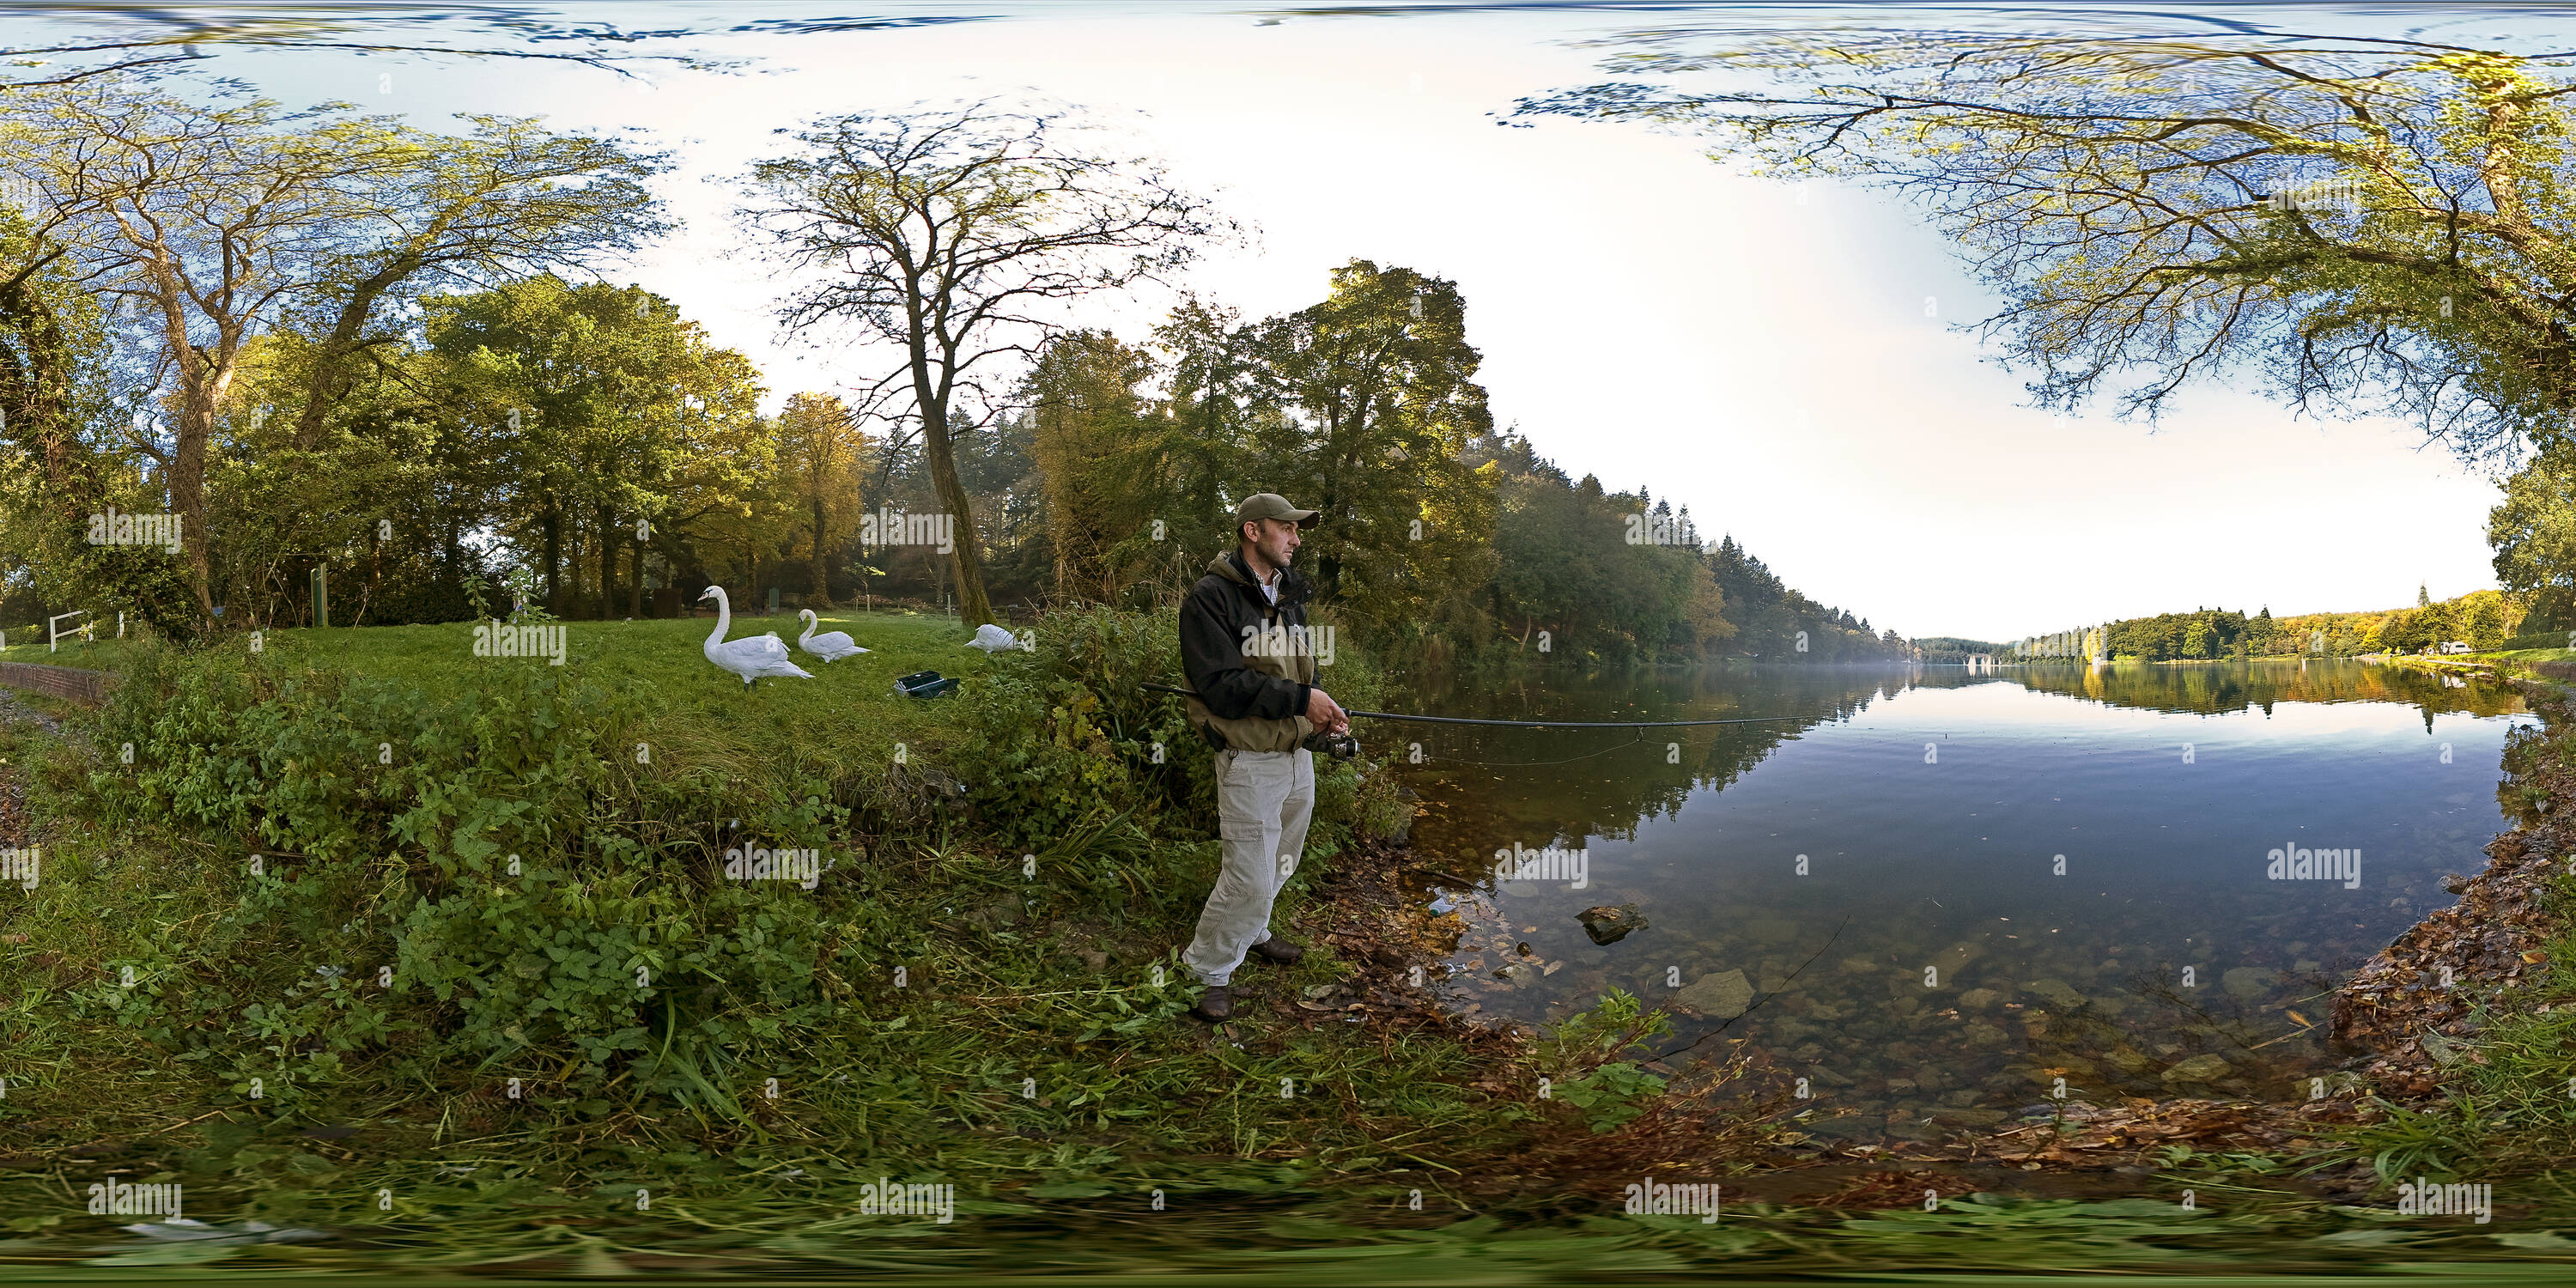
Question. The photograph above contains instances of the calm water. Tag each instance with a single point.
(1930, 809)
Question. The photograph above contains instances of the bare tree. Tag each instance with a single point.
(2377, 225)
(958, 235)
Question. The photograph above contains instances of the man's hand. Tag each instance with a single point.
(1324, 713)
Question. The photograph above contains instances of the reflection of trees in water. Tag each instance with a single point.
(2218, 688)
(1487, 788)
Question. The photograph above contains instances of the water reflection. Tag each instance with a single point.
(2215, 687)
(1990, 882)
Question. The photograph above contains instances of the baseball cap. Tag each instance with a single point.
(1271, 505)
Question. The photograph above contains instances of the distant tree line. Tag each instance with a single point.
(1952, 650)
(2483, 619)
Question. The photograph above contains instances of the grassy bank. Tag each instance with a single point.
(364, 913)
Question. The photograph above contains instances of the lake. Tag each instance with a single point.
(1980, 883)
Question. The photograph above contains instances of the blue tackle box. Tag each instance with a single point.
(926, 684)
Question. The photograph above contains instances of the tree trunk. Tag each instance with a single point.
(188, 490)
(822, 578)
(554, 552)
(973, 608)
(330, 378)
(607, 564)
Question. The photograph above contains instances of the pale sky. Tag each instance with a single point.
(1758, 352)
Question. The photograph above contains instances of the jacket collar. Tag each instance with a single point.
(1230, 565)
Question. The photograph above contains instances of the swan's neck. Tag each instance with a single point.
(811, 621)
(724, 618)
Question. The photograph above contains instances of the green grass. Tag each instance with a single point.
(664, 654)
(2527, 655)
(847, 715)
(1029, 1052)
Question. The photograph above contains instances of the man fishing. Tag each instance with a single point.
(1251, 666)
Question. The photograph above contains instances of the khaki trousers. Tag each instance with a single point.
(1264, 800)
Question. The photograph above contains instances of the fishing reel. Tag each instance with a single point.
(1339, 746)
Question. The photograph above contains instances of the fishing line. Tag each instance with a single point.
(1525, 724)
(1447, 759)
(1784, 986)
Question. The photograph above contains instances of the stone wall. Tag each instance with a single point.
(86, 687)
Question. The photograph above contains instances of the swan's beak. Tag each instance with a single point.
(708, 593)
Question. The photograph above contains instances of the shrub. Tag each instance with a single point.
(467, 880)
(1104, 748)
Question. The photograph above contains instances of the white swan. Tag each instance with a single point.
(830, 645)
(760, 655)
(993, 639)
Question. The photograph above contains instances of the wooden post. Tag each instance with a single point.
(321, 597)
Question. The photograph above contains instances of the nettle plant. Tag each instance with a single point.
(1586, 1059)
(480, 885)
(1120, 768)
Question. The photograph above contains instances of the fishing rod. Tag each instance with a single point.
(1524, 724)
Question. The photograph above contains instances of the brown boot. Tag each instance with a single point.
(1216, 1005)
(1279, 950)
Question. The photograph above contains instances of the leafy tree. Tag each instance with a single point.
(204, 223)
(2533, 532)
(822, 453)
(1088, 411)
(2376, 224)
(1378, 382)
(464, 213)
(607, 410)
(61, 457)
(209, 224)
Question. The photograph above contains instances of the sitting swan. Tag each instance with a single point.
(760, 655)
(830, 645)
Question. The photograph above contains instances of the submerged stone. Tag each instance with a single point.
(2199, 1068)
(2058, 992)
(2246, 983)
(1723, 996)
(1609, 925)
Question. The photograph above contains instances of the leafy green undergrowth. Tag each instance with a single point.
(453, 912)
